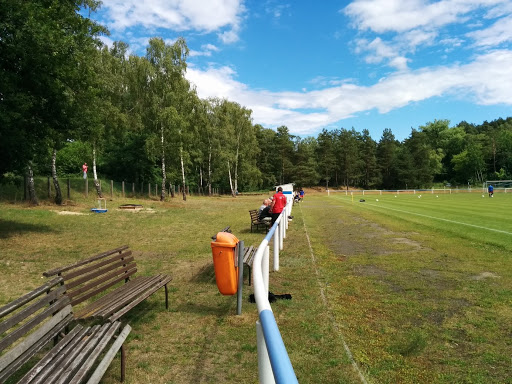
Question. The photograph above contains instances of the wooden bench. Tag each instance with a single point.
(95, 276)
(255, 221)
(32, 321)
(249, 253)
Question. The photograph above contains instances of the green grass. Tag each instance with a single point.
(416, 299)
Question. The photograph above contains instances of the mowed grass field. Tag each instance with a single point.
(400, 290)
(420, 287)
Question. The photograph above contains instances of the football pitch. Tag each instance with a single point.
(468, 215)
(419, 285)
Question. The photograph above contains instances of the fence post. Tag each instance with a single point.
(122, 187)
(265, 374)
(49, 188)
(133, 189)
(111, 189)
(86, 187)
(276, 251)
(69, 189)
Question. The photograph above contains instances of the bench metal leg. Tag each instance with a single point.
(249, 267)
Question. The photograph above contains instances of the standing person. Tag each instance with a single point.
(301, 194)
(84, 168)
(490, 189)
(278, 204)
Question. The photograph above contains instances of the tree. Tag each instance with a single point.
(387, 150)
(43, 56)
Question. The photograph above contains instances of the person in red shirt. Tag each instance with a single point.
(278, 204)
(84, 168)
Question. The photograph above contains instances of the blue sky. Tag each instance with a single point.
(366, 64)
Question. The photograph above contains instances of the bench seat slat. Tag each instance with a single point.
(107, 299)
(115, 316)
(37, 373)
(109, 356)
(99, 345)
(122, 296)
(87, 355)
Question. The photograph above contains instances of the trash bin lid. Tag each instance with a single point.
(225, 239)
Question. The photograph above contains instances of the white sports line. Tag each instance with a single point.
(324, 300)
(441, 219)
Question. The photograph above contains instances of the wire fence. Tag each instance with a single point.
(16, 189)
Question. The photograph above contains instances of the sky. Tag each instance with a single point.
(313, 65)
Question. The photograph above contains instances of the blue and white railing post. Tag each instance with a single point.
(274, 365)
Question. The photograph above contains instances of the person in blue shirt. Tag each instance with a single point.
(490, 189)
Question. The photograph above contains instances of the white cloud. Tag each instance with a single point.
(487, 81)
(499, 32)
(399, 16)
(179, 15)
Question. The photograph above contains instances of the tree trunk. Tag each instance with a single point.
(164, 180)
(236, 165)
(231, 181)
(200, 180)
(58, 193)
(210, 173)
(31, 188)
(95, 175)
(183, 174)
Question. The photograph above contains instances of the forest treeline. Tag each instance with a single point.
(66, 99)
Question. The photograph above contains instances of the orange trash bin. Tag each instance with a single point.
(224, 255)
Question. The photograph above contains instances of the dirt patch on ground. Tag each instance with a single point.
(485, 275)
(70, 213)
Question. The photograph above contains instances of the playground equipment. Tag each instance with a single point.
(102, 208)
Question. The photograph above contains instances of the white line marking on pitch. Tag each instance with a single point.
(324, 300)
(439, 218)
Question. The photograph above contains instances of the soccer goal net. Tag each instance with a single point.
(502, 185)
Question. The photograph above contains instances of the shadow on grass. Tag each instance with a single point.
(205, 275)
(11, 228)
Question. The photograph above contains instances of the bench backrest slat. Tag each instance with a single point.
(102, 255)
(33, 337)
(97, 267)
(95, 275)
(120, 266)
(27, 311)
(13, 305)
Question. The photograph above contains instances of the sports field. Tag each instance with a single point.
(419, 287)
(399, 290)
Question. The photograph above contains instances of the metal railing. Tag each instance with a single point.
(274, 365)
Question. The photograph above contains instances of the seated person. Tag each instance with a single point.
(264, 211)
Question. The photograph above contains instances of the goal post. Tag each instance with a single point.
(501, 185)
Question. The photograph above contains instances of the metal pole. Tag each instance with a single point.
(265, 267)
(281, 234)
(276, 251)
(265, 374)
(240, 277)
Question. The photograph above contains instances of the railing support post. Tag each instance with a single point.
(276, 252)
(265, 374)
(265, 267)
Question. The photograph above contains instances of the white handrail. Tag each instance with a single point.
(270, 343)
